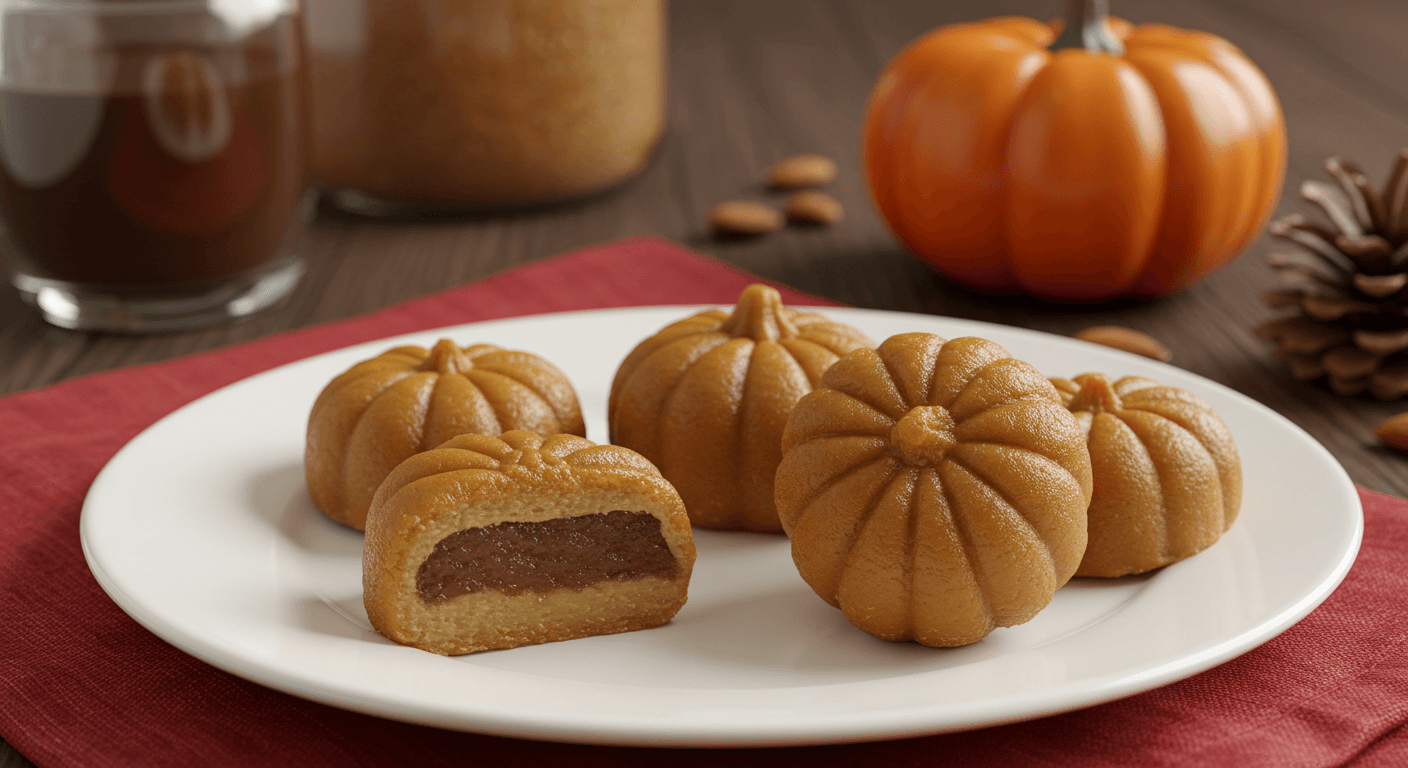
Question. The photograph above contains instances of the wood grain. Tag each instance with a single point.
(753, 82)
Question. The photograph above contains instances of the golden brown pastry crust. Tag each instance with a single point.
(409, 399)
(1168, 481)
(706, 400)
(475, 481)
(934, 490)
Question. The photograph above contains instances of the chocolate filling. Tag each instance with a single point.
(562, 553)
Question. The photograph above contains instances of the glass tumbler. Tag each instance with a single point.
(152, 159)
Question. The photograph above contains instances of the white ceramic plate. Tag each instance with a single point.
(202, 530)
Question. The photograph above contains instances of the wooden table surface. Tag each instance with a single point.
(754, 81)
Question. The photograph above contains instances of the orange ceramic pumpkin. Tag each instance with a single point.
(1111, 161)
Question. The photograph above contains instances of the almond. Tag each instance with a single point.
(801, 171)
(1393, 432)
(1127, 339)
(813, 207)
(744, 217)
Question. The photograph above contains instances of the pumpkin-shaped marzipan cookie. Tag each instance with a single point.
(934, 490)
(707, 397)
(409, 399)
(496, 542)
(1168, 481)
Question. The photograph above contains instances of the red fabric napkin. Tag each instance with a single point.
(81, 684)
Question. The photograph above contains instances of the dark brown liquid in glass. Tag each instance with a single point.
(177, 176)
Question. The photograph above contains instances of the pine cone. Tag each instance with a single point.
(1348, 283)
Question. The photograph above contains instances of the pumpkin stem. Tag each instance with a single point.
(446, 357)
(924, 436)
(1097, 395)
(1086, 28)
(759, 316)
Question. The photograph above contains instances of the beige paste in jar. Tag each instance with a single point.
(484, 102)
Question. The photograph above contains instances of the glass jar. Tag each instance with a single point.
(152, 158)
(463, 104)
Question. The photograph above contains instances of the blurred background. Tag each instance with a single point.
(752, 82)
